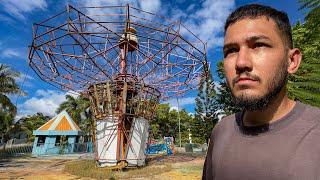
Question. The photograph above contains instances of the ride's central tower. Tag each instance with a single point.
(123, 108)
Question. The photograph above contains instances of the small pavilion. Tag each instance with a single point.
(58, 135)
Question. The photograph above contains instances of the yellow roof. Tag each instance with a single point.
(61, 122)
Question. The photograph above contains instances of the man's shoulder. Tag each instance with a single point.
(225, 127)
(312, 108)
(227, 122)
(311, 112)
(227, 119)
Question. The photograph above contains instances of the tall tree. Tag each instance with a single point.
(224, 96)
(8, 86)
(305, 84)
(206, 106)
(160, 125)
(8, 83)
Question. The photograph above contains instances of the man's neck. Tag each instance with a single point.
(277, 108)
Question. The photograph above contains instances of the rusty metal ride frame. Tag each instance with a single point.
(87, 50)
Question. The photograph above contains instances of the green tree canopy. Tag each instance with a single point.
(29, 124)
(305, 84)
(224, 96)
(166, 123)
(8, 110)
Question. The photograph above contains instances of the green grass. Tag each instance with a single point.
(147, 171)
(88, 168)
(190, 169)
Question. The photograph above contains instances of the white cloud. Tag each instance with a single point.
(150, 5)
(191, 7)
(182, 102)
(207, 22)
(13, 52)
(96, 13)
(7, 53)
(146, 5)
(44, 101)
(17, 8)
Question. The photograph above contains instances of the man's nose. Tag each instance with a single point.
(243, 61)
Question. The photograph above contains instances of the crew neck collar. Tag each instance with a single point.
(270, 127)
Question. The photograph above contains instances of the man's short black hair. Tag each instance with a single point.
(253, 11)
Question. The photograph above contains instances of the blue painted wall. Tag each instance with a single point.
(49, 147)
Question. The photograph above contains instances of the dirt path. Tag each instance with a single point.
(183, 167)
(32, 168)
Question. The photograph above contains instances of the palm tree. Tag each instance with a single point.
(6, 106)
(8, 110)
(74, 106)
(78, 109)
(8, 83)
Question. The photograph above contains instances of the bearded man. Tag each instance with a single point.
(274, 137)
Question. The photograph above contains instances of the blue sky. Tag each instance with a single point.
(17, 16)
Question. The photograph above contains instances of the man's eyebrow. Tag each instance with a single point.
(257, 37)
(229, 45)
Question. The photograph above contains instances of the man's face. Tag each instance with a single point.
(255, 62)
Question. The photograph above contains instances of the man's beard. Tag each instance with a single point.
(274, 87)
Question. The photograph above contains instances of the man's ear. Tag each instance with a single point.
(294, 60)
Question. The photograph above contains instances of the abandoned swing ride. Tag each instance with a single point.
(126, 60)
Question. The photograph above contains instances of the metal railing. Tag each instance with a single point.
(13, 150)
(16, 150)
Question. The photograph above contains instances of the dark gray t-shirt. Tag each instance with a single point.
(289, 148)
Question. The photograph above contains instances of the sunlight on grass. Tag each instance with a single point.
(190, 169)
(88, 168)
